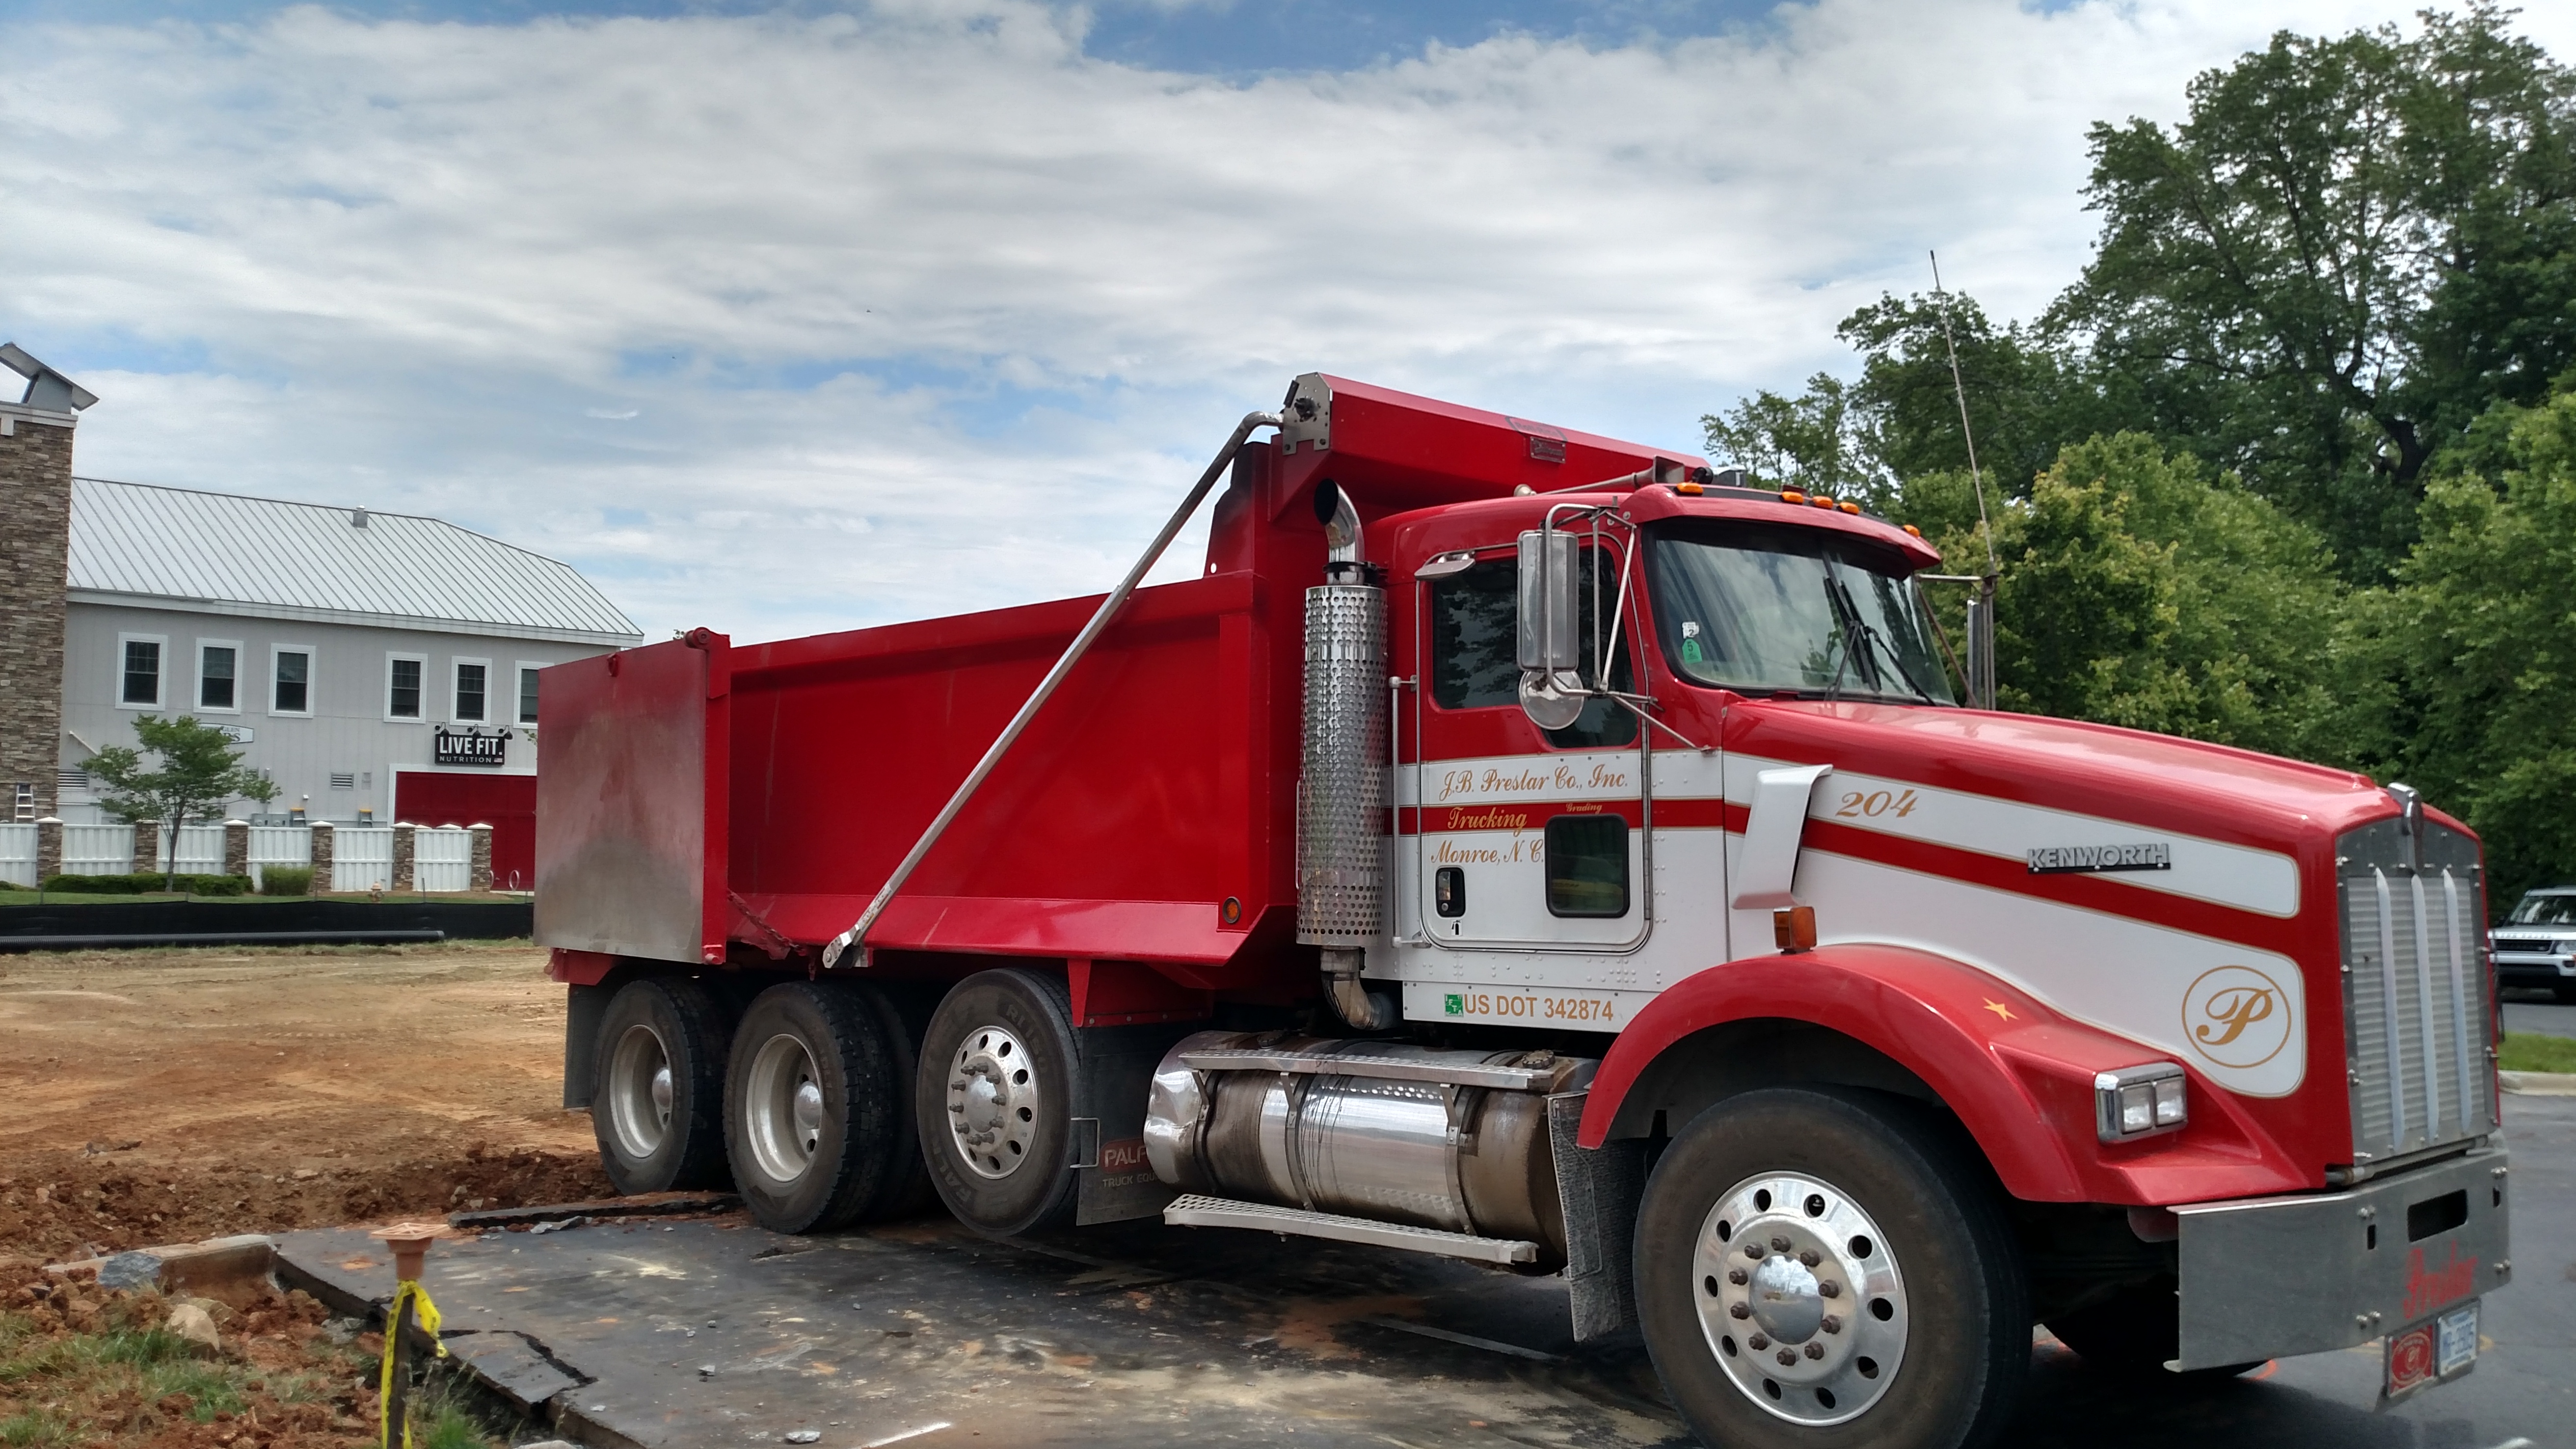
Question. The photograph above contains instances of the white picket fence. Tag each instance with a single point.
(362, 857)
(277, 845)
(18, 855)
(98, 849)
(442, 859)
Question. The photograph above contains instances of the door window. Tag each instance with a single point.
(1474, 626)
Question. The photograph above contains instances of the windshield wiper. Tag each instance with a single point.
(1839, 597)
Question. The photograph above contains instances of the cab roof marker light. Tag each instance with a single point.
(1689, 490)
(1848, 506)
(1910, 528)
(1792, 495)
(1820, 501)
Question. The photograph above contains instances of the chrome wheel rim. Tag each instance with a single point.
(1801, 1298)
(993, 1102)
(783, 1109)
(639, 1092)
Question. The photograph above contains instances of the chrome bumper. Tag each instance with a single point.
(2274, 1276)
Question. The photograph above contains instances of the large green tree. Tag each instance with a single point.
(2350, 248)
(2460, 679)
(193, 770)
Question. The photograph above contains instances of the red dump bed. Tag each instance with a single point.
(696, 798)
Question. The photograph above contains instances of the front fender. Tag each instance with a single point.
(2017, 1074)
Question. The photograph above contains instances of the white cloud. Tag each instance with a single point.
(796, 323)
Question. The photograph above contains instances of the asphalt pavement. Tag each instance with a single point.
(2534, 1011)
(713, 1332)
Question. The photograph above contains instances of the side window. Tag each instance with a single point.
(1587, 865)
(1474, 630)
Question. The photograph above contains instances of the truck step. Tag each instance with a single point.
(1385, 1069)
(1194, 1210)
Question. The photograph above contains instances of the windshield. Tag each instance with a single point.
(2544, 910)
(1762, 609)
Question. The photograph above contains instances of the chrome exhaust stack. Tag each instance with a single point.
(1342, 782)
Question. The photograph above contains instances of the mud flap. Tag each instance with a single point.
(1114, 1182)
(1600, 1189)
(583, 1008)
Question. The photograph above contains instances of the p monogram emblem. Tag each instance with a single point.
(2236, 1016)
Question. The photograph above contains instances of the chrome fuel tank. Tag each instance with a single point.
(1455, 1140)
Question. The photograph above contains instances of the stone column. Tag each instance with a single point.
(147, 847)
(402, 880)
(49, 848)
(324, 839)
(236, 847)
(35, 543)
(480, 877)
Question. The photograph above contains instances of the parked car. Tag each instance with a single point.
(2536, 945)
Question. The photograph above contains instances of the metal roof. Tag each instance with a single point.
(265, 557)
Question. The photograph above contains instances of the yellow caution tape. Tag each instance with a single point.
(426, 1320)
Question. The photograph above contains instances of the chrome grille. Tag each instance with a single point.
(2415, 991)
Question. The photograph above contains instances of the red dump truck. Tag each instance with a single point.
(1532, 848)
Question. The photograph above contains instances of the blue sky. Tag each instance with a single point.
(780, 320)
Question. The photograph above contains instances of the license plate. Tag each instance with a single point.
(2434, 1351)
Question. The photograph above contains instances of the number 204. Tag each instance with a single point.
(1876, 803)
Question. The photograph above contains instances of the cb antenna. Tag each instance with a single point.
(1959, 389)
(1980, 670)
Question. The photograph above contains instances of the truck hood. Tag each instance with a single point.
(2156, 782)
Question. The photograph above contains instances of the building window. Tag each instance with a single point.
(528, 693)
(291, 685)
(471, 675)
(402, 685)
(217, 666)
(140, 686)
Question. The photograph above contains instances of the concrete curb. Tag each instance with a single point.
(2538, 1084)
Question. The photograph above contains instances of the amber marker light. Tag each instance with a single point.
(1848, 506)
(1689, 490)
(1820, 502)
(1792, 495)
(1910, 528)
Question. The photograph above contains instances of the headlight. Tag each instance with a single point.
(2136, 1102)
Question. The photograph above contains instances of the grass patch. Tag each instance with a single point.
(2525, 1051)
(38, 1429)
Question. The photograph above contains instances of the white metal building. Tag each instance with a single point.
(349, 651)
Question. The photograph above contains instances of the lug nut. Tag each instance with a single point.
(1758, 1342)
(1787, 1358)
(1832, 1324)
(1779, 1245)
(1830, 1289)
(1738, 1310)
(1809, 1258)
(1735, 1276)
(1815, 1350)
(1753, 1250)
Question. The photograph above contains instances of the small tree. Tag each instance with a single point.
(197, 770)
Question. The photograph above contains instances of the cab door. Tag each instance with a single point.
(1522, 839)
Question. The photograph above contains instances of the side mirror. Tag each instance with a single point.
(1552, 692)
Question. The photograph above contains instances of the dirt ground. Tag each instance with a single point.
(166, 1096)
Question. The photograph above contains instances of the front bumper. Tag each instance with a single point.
(2532, 968)
(2270, 1277)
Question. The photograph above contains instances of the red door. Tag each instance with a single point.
(507, 803)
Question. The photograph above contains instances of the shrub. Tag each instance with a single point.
(285, 880)
(147, 883)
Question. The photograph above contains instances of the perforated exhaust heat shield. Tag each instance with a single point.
(1341, 792)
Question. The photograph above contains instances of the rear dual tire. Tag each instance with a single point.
(657, 1087)
(818, 1108)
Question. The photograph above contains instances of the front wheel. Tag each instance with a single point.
(1822, 1269)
